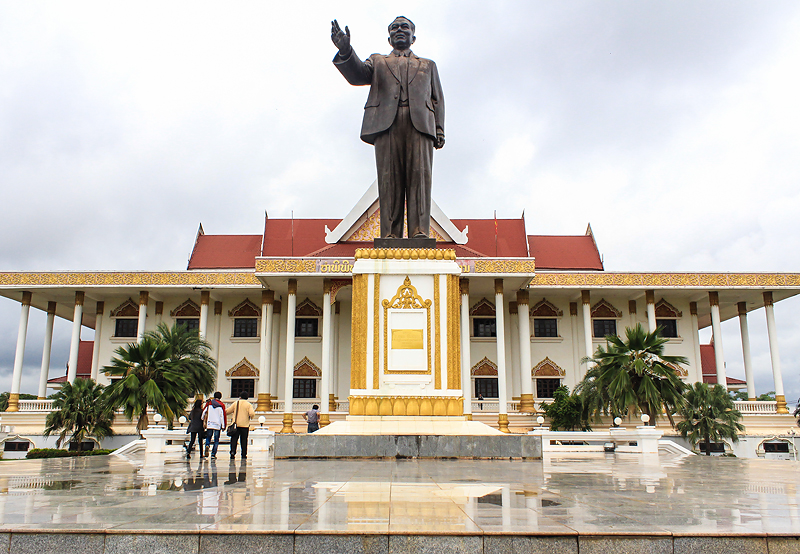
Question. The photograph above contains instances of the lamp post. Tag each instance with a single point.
(261, 420)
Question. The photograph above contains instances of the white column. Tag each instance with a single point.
(773, 353)
(466, 359)
(288, 390)
(513, 368)
(748, 360)
(205, 298)
(98, 333)
(267, 301)
(698, 359)
(48, 345)
(218, 324)
(159, 313)
(650, 297)
(19, 355)
(325, 384)
(75, 343)
(144, 298)
(502, 418)
(276, 347)
(719, 357)
(587, 324)
(577, 374)
(631, 313)
(526, 404)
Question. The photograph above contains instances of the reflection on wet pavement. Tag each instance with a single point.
(567, 494)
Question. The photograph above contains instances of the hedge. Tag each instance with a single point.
(37, 453)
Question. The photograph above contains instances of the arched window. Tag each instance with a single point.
(126, 317)
(604, 319)
(667, 318)
(245, 319)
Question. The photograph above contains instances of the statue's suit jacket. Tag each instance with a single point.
(425, 99)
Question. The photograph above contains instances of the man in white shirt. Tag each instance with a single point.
(215, 420)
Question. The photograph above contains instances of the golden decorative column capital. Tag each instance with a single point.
(205, 298)
(26, 298)
(573, 308)
(101, 306)
(79, 297)
(767, 298)
(692, 308)
(326, 286)
(463, 286)
(512, 308)
(276, 308)
(650, 296)
(267, 296)
(632, 307)
(292, 286)
(144, 298)
(217, 308)
(742, 306)
(336, 307)
(586, 298)
(523, 297)
(51, 308)
(498, 286)
(159, 308)
(713, 298)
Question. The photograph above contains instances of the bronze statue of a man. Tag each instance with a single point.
(403, 118)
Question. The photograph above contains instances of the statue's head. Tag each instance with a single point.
(401, 33)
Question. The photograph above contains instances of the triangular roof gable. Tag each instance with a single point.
(358, 225)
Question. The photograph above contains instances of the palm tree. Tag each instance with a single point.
(79, 409)
(633, 376)
(168, 366)
(709, 414)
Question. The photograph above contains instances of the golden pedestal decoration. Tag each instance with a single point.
(502, 422)
(468, 417)
(780, 399)
(264, 403)
(288, 419)
(406, 405)
(331, 403)
(324, 420)
(526, 404)
(13, 402)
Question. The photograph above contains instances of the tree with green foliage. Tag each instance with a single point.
(633, 375)
(565, 412)
(741, 395)
(161, 372)
(709, 415)
(79, 410)
(4, 399)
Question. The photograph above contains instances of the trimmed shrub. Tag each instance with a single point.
(38, 453)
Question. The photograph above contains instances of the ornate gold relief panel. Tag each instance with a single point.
(406, 298)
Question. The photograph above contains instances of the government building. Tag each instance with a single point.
(289, 322)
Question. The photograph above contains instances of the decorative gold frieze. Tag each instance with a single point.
(505, 266)
(137, 278)
(437, 331)
(667, 280)
(406, 405)
(405, 254)
(286, 266)
(376, 345)
(453, 334)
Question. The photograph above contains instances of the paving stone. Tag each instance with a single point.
(720, 545)
(41, 543)
(341, 544)
(242, 543)
(508, 544)
(435, 544)
(152, 544)
(624, 545)
(5, 541)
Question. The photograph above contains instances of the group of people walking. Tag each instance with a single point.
(207, 421)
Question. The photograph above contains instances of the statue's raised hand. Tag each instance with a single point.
(341, 38)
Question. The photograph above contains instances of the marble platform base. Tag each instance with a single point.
(318, 445)
(408, 425)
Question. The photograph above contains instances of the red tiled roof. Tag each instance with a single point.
(298, 237)
(565, 252)
(84, 362)
(510, 241)
(709, 363)
(225, 252)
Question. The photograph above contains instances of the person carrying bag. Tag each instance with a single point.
(239, 430)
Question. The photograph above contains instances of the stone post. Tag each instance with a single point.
(325, 385)
(288, 389)
(264, 403)
(773, 354)
(748, 360)
(466, 362)
(98, 334)
(650, 297)
(698, 360)
(75, 342)
(144, 298)
(526, 403)
(719, 356)
(48, 345)
(19, 355)
(502, 416)
(587, 323)
(205, 299)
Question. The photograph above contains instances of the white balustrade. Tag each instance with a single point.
(755, 406)
(35, 405)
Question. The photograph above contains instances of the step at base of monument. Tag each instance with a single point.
(317, 445)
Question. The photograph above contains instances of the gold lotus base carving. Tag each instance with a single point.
(288, 420)
(13, 402)
(324, 420)
(526, 404)
(502, 422)
(779, 398)
(406, 405)
(264, 403)
(405, 254)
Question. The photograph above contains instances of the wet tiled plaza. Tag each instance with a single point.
(586, 493)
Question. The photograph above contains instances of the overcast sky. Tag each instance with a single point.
(671, 126)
